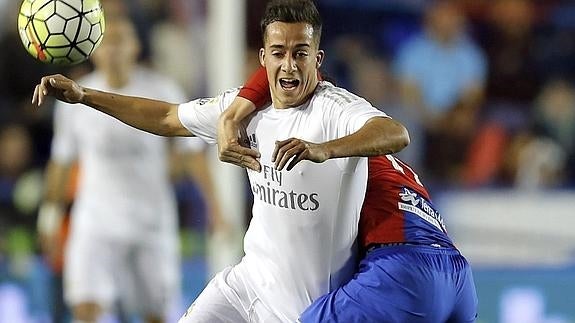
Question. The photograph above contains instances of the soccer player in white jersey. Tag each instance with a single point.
(300, 242)
(410, 270)
(123, 244)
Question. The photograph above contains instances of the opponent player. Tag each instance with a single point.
(123, 244)
(300, 242)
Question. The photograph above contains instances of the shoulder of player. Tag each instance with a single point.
(330, 95)
(223, 99)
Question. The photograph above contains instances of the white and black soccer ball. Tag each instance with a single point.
(63, 32)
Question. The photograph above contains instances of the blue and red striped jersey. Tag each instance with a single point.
(397, 207)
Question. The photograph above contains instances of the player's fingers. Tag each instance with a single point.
(299, 157)
(235, 151)
(243, 151)
(44, 84)
(252, 164)
(58, 83)
(279, 146)
(243, 161)
(41, 92)
(230, 156)
(248, 163)
(285, 155)
(35, 95)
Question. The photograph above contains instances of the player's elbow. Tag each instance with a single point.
(393, 136)
(171, 126)
(402, 137)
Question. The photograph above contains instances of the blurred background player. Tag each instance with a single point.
(123, 243)
(441, 74)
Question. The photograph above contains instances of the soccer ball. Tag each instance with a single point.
(63, 32)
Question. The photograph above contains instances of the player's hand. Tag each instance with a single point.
(231, 151)
(50, 219)
(58, 86)
(297, 150)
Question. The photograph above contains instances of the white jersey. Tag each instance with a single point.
(300, 242)
(124, 186)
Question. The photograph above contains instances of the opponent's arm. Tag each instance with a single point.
(157, 117)
(254, 94)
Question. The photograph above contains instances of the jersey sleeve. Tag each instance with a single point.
(64, 141)
(344, 113)
(200, 116)
(173, 92)
(356, 115)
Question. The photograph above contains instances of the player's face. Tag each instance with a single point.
(291, 58)
(119, 49)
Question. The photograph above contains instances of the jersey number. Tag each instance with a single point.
(400, 168)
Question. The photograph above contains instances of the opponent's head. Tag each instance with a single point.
(291, 31)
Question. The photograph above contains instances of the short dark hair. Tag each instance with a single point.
(292, 11)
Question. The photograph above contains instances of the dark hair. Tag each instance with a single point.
(292, 11)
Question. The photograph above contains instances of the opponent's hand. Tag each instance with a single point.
(297, 150)
(231, 151)
(58, 86)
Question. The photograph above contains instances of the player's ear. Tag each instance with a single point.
(262, 55)
(319, 58)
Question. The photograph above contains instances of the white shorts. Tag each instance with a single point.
(228, 299)
(143, 276)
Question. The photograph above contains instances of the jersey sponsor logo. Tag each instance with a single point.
(271, 174)
(269, 194)
(284, 199)
(412, 202)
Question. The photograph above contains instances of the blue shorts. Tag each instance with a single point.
(402, 284)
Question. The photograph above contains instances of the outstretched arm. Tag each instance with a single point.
(157, 117)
